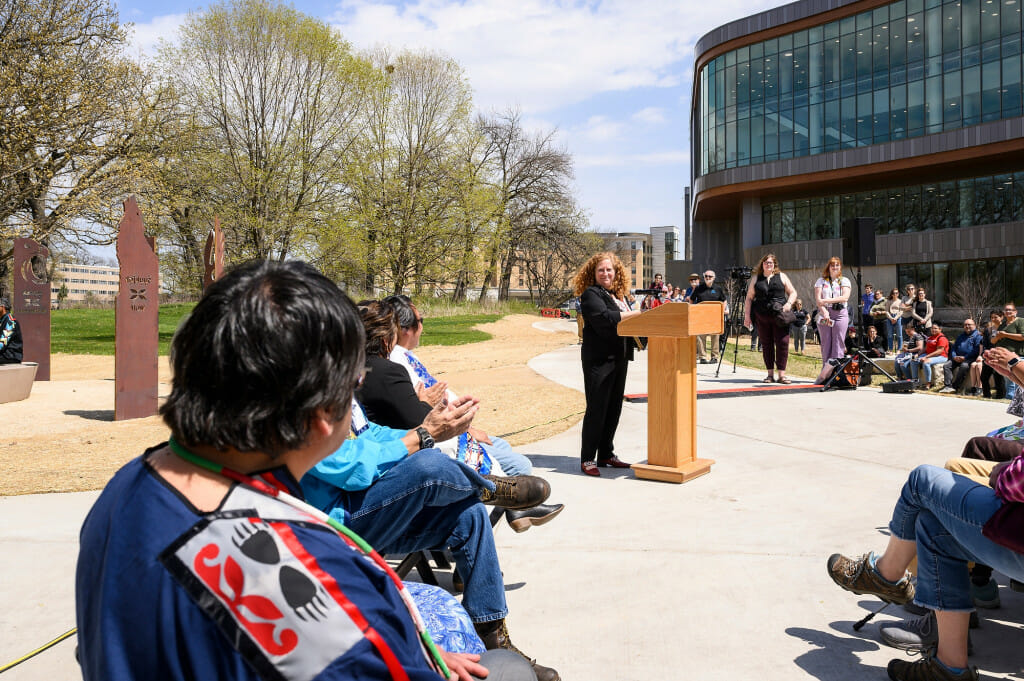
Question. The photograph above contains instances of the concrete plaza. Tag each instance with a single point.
(722, 577)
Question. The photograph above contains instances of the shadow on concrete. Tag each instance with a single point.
(833, 658)
(92, 414)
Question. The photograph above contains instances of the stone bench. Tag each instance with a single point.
(16, 381)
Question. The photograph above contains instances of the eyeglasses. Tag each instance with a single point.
(709, 276)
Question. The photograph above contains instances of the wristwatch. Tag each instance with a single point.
(426, 439)
(1013, 362)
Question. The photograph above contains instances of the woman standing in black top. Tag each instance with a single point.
(602, 287)
(769, 292)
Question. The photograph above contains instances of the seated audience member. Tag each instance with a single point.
(946, 520)
(402, 495)
(906, 362)
(936, 352)
(980, 458)
(389, 399)
(981, 372)
(677, 295)
(874, 347)
(1011, 337)
(10, 335)
(798, 329)
(199, 560)
(964, 350)
(852, 340)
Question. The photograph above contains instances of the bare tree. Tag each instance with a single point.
(531, 177)
(976, 294)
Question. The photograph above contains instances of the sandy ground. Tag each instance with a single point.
(64, 437)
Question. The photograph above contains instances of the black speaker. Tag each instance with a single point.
(858, 242)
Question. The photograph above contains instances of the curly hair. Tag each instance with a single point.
(585, 278)
(381, 327)
(759, 270)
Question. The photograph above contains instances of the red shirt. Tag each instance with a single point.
(937, 342)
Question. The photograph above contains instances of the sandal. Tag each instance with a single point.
(768, 379)
(784, 381)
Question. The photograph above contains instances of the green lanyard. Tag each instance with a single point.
(355, 539)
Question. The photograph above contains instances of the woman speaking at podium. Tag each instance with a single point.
(602, 286)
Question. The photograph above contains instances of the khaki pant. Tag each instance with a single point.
(579, 326)
(702, 350)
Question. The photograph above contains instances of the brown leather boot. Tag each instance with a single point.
(495, 635)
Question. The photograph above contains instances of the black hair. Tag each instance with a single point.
(267, 346)
(405, 315)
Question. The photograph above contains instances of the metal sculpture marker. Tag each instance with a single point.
(32, 303)
(213, 255)
(136, 322)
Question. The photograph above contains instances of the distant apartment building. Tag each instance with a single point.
(83, 280)
(665, 246)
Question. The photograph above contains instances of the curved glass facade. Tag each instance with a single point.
(967, 202)
(907, 69)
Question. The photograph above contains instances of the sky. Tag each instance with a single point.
(613, 77)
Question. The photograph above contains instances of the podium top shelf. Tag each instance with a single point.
(676, 320)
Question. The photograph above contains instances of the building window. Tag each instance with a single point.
(894, 72)
(967, 202)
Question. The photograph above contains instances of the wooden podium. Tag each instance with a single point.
(672, 386)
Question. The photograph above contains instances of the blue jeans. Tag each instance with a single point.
(894, 334)
(928, 364)
(1011, 389)
(426, 501)
(904, 366)
(512, 462)
(944, 513)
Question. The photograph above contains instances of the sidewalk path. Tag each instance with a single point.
(719, 578)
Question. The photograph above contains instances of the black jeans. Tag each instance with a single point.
(604, 383)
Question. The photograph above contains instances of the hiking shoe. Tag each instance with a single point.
(516, 491)
(986, 595)
(857, 576)
(917, 635)
(494, 634)
(927, 669)
(948, 390)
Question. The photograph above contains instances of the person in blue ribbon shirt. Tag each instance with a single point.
(391, 400)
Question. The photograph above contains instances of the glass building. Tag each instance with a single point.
(907, 112)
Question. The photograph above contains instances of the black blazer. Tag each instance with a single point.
(389, 397)
(601, 316)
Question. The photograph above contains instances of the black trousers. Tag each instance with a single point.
(997, 378)
(604, 383)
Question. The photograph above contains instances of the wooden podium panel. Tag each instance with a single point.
(672, 386)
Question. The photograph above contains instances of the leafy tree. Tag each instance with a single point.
(276, 102)
(410, 186)
(73, 110)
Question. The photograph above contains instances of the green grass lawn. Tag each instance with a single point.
(91, 332)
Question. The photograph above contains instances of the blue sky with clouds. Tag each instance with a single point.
(613, 76)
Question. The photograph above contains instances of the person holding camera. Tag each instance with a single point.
(769, 294)
(831, 291)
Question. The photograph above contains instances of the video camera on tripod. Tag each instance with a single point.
(740, 273)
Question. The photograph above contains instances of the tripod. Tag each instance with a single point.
(860, 355)
(734, 321)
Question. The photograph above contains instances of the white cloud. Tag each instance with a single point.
(146, 36)
(654, 158)
(599, 129)
(542, 54)
(651, 115)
